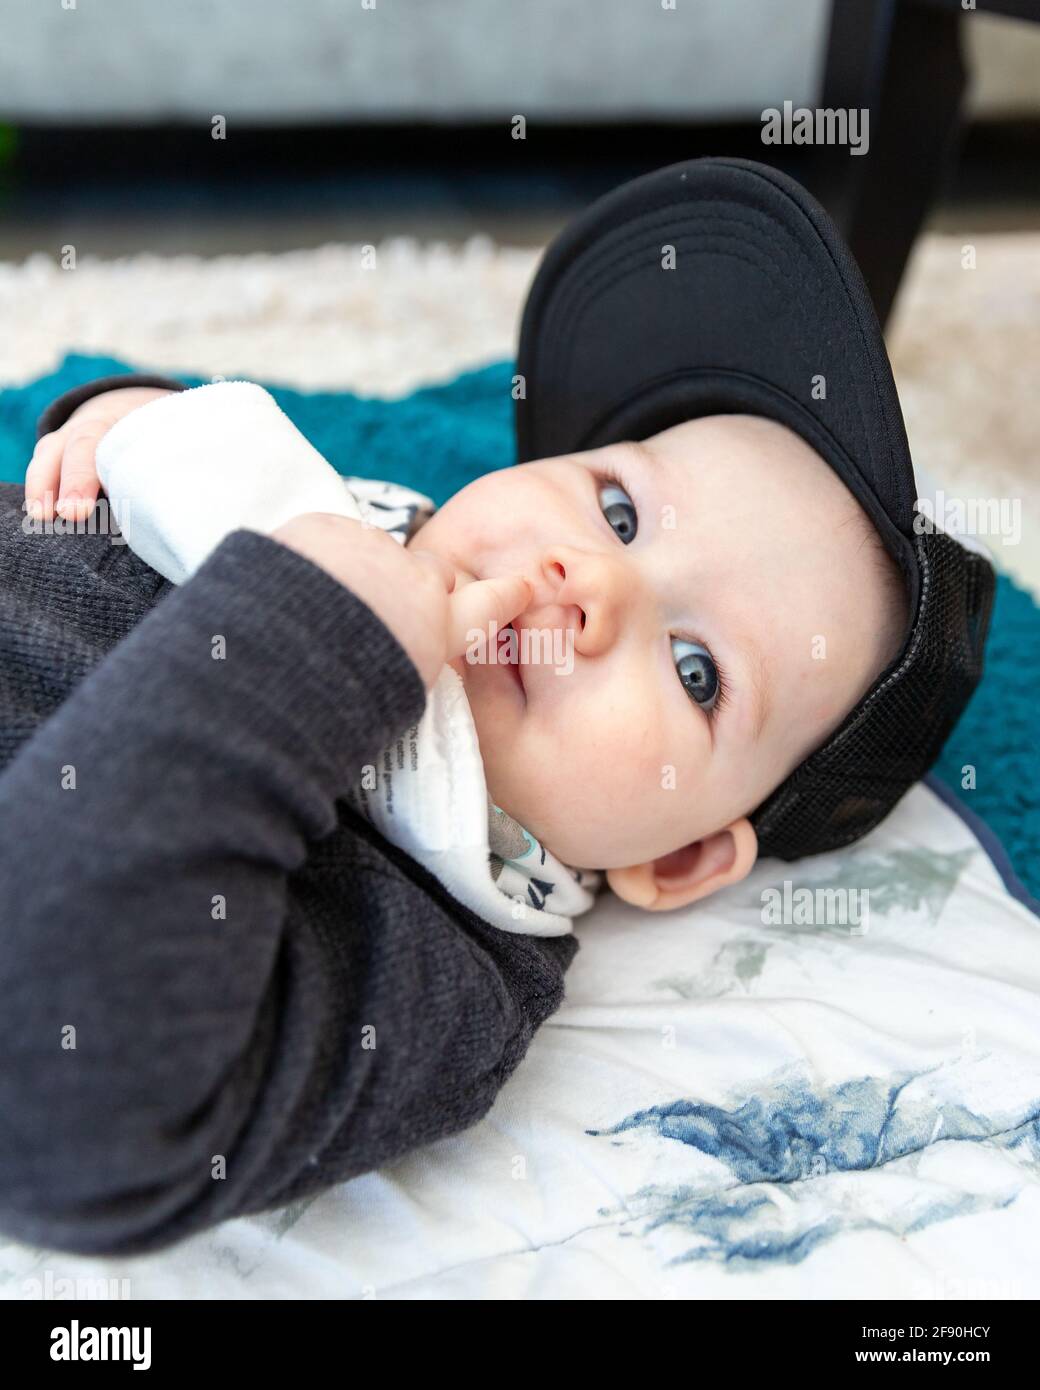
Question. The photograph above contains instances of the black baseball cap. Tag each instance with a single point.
(720, 286)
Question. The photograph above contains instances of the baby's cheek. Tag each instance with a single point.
(630, 769)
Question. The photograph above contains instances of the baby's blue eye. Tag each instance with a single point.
(619, 511)
(696, 671)
(696, 666)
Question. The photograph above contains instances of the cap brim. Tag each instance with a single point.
(715, 286)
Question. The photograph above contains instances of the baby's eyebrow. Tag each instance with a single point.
(641, 456)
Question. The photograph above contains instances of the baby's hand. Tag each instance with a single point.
(412, 591)
(63, 462)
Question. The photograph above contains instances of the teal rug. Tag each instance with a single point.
(442, 437)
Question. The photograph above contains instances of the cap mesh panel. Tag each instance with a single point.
(897, 731)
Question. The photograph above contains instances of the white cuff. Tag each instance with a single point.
(185, 470)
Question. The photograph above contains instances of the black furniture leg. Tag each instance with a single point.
(902, 61)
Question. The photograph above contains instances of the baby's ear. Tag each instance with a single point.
(693, 872)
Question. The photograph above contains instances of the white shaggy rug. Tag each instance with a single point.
(965, 342)
(317, 320)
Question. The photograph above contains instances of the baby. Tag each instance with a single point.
(683, 700)
(234, 981)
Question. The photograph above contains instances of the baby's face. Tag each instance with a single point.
(729, 547)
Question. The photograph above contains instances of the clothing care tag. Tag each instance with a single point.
(426, 792)
(427, 795)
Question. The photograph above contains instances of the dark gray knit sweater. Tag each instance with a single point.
(220, 988)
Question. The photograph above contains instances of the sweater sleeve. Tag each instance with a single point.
(149, 831)
(62, 406)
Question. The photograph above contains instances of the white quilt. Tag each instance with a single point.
(725, 1106)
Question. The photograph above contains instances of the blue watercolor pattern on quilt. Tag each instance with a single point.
(796, 1153)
